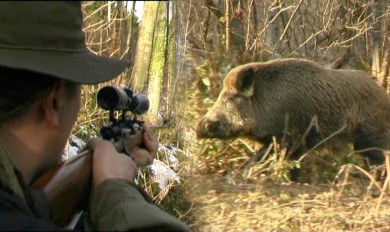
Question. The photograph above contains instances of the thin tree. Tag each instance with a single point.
(144, 48)
(156, 71)
(172, 59)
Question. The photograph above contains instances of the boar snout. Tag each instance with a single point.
(207, 128)
(212, 127)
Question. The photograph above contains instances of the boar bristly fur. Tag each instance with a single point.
(281, 98)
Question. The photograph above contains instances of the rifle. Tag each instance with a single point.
(68, 186)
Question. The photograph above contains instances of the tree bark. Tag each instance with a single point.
(144, 48)
(156, 71)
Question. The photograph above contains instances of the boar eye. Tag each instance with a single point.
(224, 100)
(227, 99)
(230, 102)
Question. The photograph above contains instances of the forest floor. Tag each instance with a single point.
(352, 203)
(268, 206)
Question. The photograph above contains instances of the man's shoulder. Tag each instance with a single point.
(16, 215)
(10, 202)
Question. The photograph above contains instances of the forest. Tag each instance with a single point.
(180, 53)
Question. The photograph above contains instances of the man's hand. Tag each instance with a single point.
(108, 163)
(144, 155)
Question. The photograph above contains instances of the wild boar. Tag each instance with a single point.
(281, 98)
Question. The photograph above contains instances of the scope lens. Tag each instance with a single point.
(112, 98)
(108, 98)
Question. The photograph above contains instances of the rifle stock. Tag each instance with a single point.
(68, 187)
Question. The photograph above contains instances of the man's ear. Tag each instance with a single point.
(50, 105)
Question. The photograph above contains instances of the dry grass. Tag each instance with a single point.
(267, 206)
(348, 200)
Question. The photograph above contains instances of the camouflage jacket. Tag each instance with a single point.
(115, 205)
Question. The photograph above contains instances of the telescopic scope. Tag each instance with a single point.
(113, 98)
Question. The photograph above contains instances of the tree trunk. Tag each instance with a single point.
(171, 59)
(228, 29)
(129, 37)
(156, 71)
(144, 48)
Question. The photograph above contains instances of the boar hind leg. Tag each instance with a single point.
(368, 143)
(372, 156)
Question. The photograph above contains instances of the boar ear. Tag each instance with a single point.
(245, 83)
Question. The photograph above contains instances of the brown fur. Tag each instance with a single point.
(258, 97)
